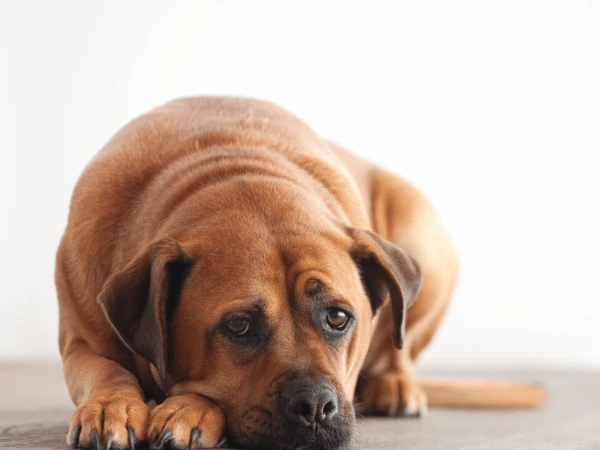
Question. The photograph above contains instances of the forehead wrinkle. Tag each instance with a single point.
(331, 264)
(250, 256)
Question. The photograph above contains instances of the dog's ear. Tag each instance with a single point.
(385, 270)
(139, 299)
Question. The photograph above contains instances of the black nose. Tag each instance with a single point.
(308, 404)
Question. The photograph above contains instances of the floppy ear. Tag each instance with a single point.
(386, 269)
(138, 300)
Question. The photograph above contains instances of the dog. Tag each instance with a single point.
(224, 261)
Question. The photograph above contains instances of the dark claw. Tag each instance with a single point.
(152, 437)
(391, 411)
(131, 438)
(95, 440)
(162, 440)
(108, 438)
(194, 437)
(75, 437)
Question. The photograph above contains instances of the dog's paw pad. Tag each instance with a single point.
(392, 394)
(108, 422)
(186, 421)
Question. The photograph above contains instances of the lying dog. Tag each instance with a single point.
(219, 258)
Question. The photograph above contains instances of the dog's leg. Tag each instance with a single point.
(402, 215)
(111, 411)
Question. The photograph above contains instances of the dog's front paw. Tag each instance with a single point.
(109, 422)
(392, 394)
(186, 421)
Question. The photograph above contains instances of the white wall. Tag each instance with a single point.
(493, 108)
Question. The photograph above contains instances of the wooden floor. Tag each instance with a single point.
(35, 409)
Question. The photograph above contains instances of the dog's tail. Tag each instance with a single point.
(481, 393)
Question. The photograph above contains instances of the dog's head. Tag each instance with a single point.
(268, 313)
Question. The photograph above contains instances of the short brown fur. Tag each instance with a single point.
(208, 205)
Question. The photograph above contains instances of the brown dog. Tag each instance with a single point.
(219, 259)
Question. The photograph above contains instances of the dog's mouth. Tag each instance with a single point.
(262, 429)
(313, 440)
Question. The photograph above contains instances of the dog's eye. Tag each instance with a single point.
(238, 326)
(337, 319)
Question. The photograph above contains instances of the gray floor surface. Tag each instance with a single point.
(35, 410)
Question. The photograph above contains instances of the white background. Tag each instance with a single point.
(491, 107)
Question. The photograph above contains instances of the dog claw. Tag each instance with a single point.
(152, 437)
(75, 437)
(95, 440)
(391, 411)
(194, 437)
(130, 438)
(108, 438)
(162, 440)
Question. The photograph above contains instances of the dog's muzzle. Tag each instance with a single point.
(313, 416)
